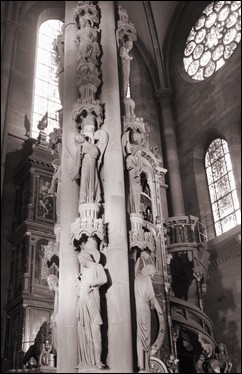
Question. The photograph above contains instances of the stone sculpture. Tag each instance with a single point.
(133, 165)
(172, 364)
(43, 336)
(214, 362)
(221, 355)
(88, 160)
(145, 301)
(56, 180)
(92, 276)
(53, 284)
(86, 39)
(123, 14)
(126, 58)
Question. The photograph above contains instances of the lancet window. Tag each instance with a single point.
(46, 96)
(222, 188)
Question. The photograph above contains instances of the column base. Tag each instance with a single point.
(94, 369)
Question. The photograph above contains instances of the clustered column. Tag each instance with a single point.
(175, 186)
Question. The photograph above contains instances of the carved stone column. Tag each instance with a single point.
(118, 298)
(68, 270)
(174, 176)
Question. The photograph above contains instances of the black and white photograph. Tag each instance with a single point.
(121, 187)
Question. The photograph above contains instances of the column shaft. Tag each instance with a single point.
(118, 295)
(68, 270)
(173, 174)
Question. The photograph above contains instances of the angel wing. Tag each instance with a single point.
(126, 143)
(102, 140)
(74, 150)
(71, 145)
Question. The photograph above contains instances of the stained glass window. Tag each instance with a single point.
(213, 39)
(46, 95)
(222, 189)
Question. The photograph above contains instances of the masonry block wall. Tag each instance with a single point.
(142, 92)
(223, 298)
(204, 110)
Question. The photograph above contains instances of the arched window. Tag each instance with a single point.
(46, 95)
(221, 184)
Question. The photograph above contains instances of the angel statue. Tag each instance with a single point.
(88, 160)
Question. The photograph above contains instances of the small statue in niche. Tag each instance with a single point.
(137, 137)
(145, 302)
(56, 179)
(53, 284)
(148, 214)
(88, 161)
(133, 165)
(91, 277)
(126, 58)
(45, 201)
(86, 40)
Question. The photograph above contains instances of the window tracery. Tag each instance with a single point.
(222, 189)
(213, 39)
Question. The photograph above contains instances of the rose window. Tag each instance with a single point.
(213, 39)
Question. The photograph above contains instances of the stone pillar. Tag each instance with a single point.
(173, 174)
(118, 295)
(68, 270)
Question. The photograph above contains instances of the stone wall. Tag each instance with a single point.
(223, 298)
(204, 110)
